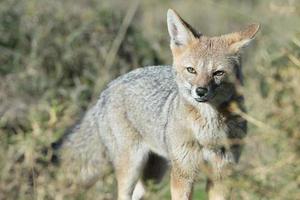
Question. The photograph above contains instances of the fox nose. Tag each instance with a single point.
(201, 91)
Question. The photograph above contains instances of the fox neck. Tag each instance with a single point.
(204, 111)
(206, 123)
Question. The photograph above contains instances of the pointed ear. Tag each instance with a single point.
(181, 33)
(239, 40)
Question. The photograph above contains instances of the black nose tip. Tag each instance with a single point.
(201, 91)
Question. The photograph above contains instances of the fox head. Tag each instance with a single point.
(207, 68)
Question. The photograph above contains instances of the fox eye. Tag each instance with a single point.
(191, 70)
(218, 73)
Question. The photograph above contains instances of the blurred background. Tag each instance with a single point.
(56, 56)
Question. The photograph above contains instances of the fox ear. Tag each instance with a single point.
(239, 40)
(181, 32)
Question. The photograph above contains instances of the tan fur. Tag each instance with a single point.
(181, 186)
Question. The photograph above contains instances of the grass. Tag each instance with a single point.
(54, 63)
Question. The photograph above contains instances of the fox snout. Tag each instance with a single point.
(203, 93)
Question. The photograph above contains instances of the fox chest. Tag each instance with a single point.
(210, 134)
(209, 128)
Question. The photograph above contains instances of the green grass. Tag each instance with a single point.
(53, 65)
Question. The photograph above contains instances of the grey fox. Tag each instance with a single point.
(182, 113)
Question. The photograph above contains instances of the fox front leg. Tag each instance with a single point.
(218, 190)
(181, 186)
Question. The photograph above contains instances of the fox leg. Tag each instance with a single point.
(129, 167)
(217, 190)
(181, 186)
(139, 191)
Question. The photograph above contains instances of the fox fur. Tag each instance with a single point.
(160, 111)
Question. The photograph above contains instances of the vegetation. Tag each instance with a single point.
(56, 56)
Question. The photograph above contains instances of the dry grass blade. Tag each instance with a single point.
(111, 55)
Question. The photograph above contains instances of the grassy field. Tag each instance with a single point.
(56, 56)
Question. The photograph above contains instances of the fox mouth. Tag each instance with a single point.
(201, 100)
(205, 98)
